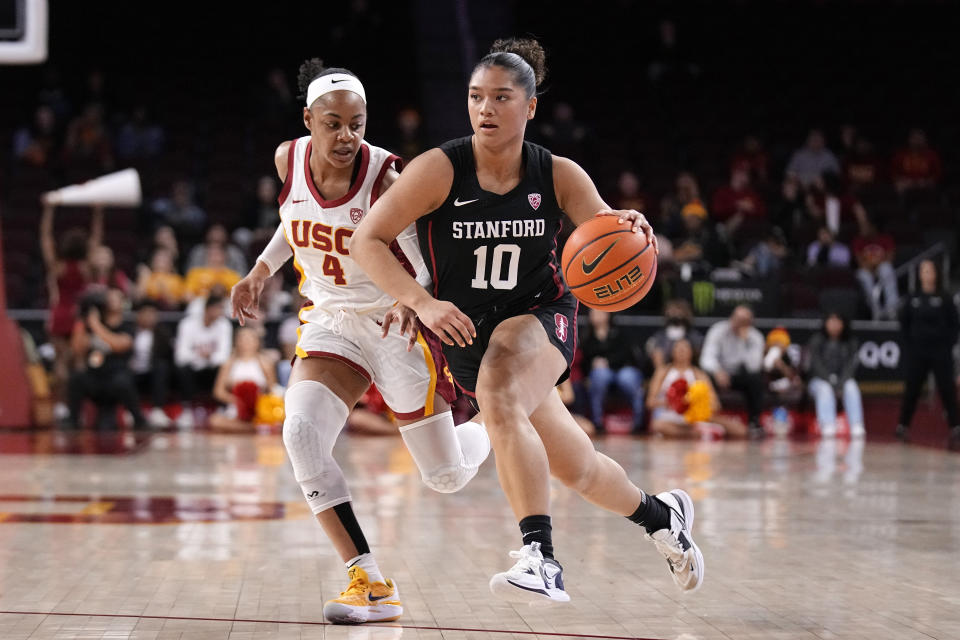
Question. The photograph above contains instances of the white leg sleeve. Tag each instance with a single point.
(447, 456)
(314, 418)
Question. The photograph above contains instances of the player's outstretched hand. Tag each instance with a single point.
(637, 220)
(407, 318)
(245, 298)
(450, 324)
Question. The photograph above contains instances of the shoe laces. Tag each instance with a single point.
(358, 584)
(527, 558)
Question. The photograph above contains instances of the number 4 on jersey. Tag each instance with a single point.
(331, 267)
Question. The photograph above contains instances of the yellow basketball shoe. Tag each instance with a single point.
(364, 601)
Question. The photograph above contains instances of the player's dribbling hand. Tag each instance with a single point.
(407, 318)
(637, 220)
(245, 298)
(450, 324)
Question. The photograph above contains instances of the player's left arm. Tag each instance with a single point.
(579, 199)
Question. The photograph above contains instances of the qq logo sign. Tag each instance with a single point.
(886, 354)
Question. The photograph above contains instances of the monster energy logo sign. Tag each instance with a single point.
(703, 297)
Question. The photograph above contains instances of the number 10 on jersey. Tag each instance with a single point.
(496, 267)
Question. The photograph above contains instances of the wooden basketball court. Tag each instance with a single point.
(195, 536)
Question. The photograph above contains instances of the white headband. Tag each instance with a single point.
(334, 82)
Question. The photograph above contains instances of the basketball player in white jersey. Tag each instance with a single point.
(331, 179)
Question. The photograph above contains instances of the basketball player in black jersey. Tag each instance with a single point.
(488, 210)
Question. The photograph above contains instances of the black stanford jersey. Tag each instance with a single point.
(486, 251)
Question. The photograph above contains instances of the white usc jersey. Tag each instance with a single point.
(319, 233)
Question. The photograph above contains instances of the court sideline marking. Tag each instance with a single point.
(325, 624)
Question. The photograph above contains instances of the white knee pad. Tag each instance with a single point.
(447, 456)
(314, 418)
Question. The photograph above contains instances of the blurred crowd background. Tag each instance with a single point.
(796, 157)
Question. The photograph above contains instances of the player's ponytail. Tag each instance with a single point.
(523, 57)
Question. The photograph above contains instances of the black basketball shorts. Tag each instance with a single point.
(559, 320)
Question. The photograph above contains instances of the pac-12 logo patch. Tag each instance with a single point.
(534, 199)
(562, 323)
(355, 214)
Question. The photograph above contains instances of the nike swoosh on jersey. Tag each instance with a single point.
(588, 267)
(299, 201)
(458, 203)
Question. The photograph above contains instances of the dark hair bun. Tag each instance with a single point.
(309, 70)
(528, 49)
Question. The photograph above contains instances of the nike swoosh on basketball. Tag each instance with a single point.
(458, 203)
(588, 267)
(299, 201)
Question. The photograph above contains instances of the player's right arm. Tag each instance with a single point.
(420, 189)
(245, 295)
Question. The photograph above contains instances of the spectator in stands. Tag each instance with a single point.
(686, 191)
(916, 166)
(628, 194)
(248, 366)
(669, 400)
(262, 216)
(678, 325)
(101, 344)
(699, 246)
(201, 279)
(791, 213)
(203, 344)
(160, 282)
(139, 138)
(217, 236)
(813, 159)
(670, 65)
(752, 155)
(733, 356)
(612, 360)
(827, 251)
(861, 167)
(67, 267)
(781, 369)
(39, 143)
(569, 397)
(88, 144)
(151, 361)
(163, 238)
(409, 141)
(832, 358)
(929, 326)
(563, 134)
(766, 256)
(104, 274)
(874, 251)
(180, 212)
(276, 103)
(287, 337)
(737, 201)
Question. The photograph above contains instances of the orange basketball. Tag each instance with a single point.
(607, 266)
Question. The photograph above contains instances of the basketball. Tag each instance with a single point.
(607, 266)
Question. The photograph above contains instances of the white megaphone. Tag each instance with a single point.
(120, 189)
